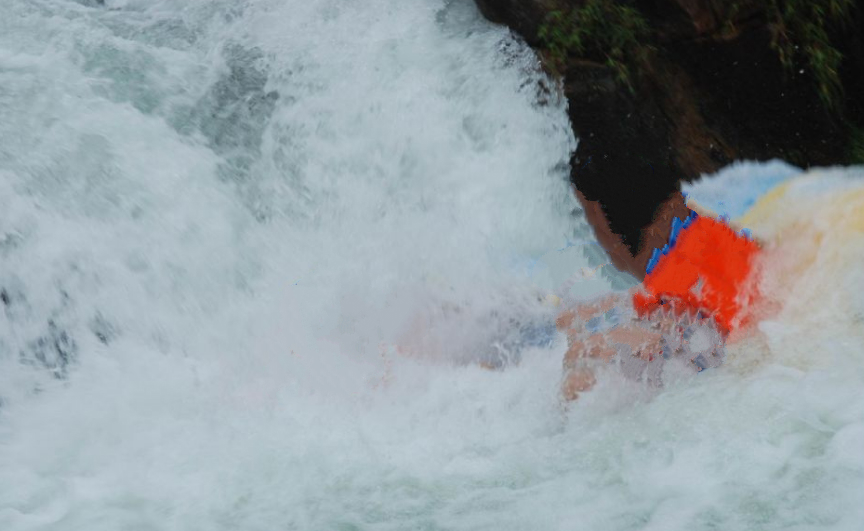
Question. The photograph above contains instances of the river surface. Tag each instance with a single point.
(254, 253)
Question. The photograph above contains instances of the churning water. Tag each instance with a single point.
(218, 218)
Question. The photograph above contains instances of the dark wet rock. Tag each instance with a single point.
(707, 88)
(522, 16)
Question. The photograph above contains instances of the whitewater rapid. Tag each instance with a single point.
(219, 218)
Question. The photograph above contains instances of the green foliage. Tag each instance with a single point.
(615, 33)
(600, 30)
(800, 37)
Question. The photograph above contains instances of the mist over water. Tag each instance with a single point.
(218, 219)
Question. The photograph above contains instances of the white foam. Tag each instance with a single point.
(227, 264)
(737, 187)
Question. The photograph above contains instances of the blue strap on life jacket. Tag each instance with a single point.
(677, 227)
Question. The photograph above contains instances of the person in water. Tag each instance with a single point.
(693, 269)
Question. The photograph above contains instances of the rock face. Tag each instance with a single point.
(711, 88)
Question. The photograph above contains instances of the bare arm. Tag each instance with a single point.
(578, 315)
(654, 236)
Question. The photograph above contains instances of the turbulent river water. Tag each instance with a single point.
(221, 219)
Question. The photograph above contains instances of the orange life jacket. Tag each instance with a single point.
(705, 269)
